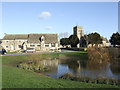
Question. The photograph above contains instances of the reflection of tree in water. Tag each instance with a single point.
(98, 58)
(115, 66)
(96, 66)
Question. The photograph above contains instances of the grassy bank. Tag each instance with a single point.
(14, 77)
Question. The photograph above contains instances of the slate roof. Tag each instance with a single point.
(15, 36)
(49, 38)
(33, 38)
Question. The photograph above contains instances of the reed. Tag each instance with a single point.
(98, 80)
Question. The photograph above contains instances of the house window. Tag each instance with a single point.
(46, 45)
(32, 45)
(19, 46)
(53, 45)
(6, 41)
(6, 46)
(38, 45)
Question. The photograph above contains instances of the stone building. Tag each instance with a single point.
(40, 42)
(78, 30)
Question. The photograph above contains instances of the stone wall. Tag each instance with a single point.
(12, 45)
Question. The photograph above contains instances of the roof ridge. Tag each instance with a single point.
(16, 34)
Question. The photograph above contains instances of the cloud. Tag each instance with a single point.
(44, 15)
(48, 27)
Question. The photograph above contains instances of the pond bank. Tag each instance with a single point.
(100, 80)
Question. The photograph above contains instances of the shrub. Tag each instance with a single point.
(98, 55)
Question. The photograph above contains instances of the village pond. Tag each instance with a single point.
(78, 67)
(81, 68)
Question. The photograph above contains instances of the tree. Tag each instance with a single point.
(64, 41)
(115, 39)
(86, 39)
(74, 40)
(94, 38)
(83, 42)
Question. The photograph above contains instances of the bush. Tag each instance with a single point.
(98, 55)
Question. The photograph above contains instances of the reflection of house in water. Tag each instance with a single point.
(52, 64)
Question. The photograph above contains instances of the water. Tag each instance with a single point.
(78, 67)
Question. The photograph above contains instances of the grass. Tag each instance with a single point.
(12, 52)
(13, 77)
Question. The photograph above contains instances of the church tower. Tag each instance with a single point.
(78, 30)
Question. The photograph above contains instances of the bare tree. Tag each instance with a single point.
(63, 35)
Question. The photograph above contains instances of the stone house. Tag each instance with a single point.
(40, 42)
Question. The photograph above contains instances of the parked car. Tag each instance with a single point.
(30, 50)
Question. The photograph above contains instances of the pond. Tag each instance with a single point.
(79, 67)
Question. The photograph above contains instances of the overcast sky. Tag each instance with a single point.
(54, 17)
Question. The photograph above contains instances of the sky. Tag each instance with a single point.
(59, 17)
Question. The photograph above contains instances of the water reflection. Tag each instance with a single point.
(76, 66)
(115, 68)
(52, 64)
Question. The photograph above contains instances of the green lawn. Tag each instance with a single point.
(13, 77)
(12, 52)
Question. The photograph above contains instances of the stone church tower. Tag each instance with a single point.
(78, 30)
